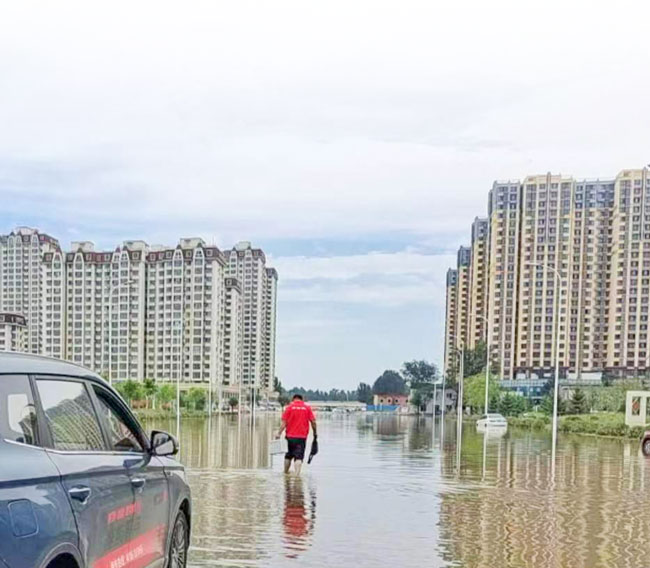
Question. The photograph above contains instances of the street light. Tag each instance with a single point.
(459, 399)
(459, 402)
(111, 291)
(178, 378)
(487, 359)
(558, 278)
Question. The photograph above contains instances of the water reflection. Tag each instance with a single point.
(403, 491)
(299, 515)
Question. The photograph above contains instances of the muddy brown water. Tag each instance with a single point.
(384, 491)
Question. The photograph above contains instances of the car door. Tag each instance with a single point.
(35, 516)
(96, 479)
(151, 514)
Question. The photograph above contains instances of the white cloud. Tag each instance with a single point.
(291, 119)
(388, 279)
(374, 263)
(253, 119)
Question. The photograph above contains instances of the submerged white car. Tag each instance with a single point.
(491, 422)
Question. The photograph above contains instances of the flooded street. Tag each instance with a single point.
(383, 491)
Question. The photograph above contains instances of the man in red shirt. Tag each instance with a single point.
(296, 420)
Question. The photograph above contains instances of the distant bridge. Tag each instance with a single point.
(350, 406)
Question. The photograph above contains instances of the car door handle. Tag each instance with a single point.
(81, 494)
(138, 482)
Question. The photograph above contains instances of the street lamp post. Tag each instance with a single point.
(433, 412)
(444, 390)
(459, 402)
(558, 279)
(111, 291)
(178, 379)
(442, 412)
(487, 360)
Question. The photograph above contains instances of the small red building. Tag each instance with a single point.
(390, 399)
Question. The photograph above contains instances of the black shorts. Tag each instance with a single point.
(296, 449)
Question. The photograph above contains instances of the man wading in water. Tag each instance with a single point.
(296, 420)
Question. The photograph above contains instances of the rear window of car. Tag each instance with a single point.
(17, 411)
(70, 415)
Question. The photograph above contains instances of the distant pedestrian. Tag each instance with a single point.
(296, 420)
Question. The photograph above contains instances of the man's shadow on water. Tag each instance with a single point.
(299, 516)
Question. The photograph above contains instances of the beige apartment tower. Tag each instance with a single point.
(477, 331)
(504, 211)
(188, 313)
(185, 303)
(270, 316)
(233, 367)
(248, 266)
(13, 333)
(31, 285)
(568, 271)
(629, 282)
(451, 307)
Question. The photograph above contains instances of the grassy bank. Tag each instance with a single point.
(598, 424)
(160, 414)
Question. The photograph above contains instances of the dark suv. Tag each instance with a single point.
(81, 485)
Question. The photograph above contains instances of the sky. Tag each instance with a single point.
(354, 141)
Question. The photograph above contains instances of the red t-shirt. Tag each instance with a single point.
(298, 415)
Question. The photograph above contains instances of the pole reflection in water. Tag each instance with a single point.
(459, 446)
(485, 437)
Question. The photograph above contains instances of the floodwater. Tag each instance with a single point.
(384, 491)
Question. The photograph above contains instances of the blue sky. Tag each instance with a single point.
(354, 141)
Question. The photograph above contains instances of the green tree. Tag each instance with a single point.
(130, 390)
(419, 372)
(578, 403)
(474, 359)
(233, 402)
(511, 404)
(546, 406)
(390, 382)
(364, 393)
(277, 385)
(474, 392)
(417, 400)
(283, 400)
(150, 389)
(196, 397)
(166, 393)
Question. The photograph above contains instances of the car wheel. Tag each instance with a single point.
(645, 447)
(179, 543)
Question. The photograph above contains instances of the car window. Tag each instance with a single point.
(70, 416)
(121, 437)
(17, 412)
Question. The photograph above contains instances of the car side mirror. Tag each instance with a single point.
(163, 444)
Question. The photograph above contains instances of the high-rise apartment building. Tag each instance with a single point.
(477, 329)
(629, 283)
(503, 268)
(463, 296)
(126, 309)
(270, 316)
(185, 303)
(188, 313)
(450, 320)
(568, 276)
(248, 266)
(233, 342)
(31, 275)
(13, 332)
(88, 283)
